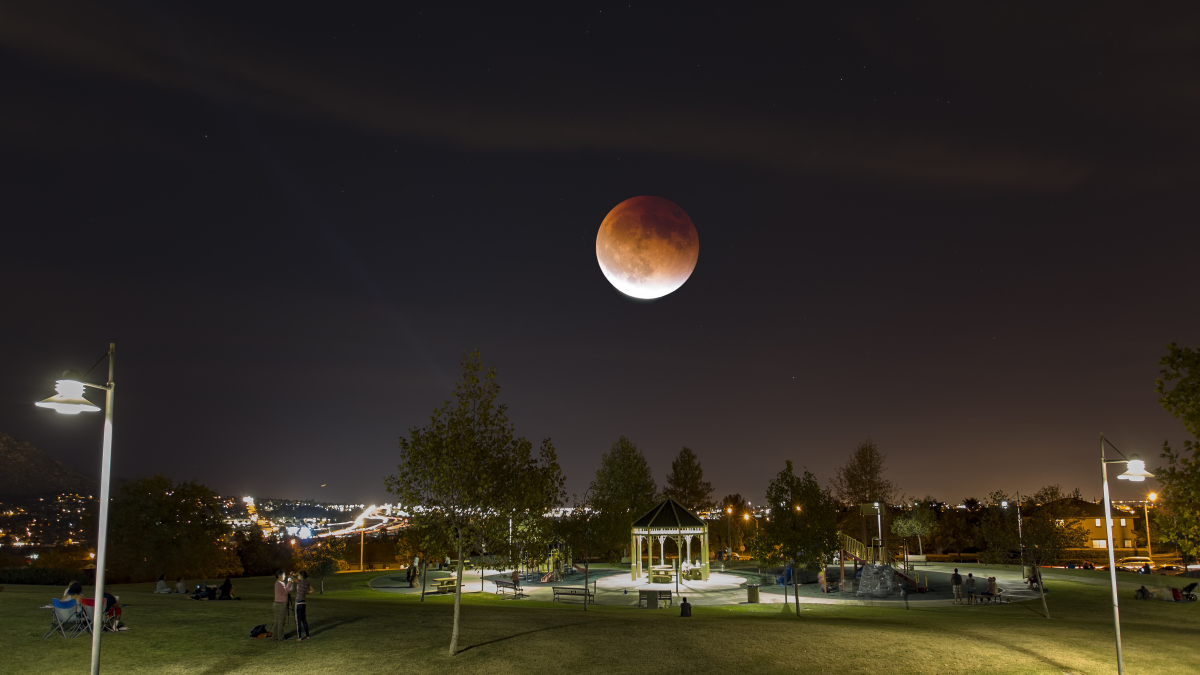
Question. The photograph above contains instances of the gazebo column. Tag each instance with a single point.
(704, 553)
(633, 556)
(662, 550)
(689, 548)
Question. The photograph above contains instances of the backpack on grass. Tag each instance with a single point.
(260, 631)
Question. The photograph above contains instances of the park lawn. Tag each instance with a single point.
(360, 630)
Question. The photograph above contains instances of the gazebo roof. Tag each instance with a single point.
(670, 514)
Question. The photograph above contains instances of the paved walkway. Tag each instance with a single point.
(614, 587)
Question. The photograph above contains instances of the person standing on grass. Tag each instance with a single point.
(956, 584)
(970, 589)
(280, 607)
(303, 588)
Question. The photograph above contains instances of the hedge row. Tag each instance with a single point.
(41, 576)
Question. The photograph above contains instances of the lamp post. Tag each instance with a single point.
(1149, 549)
(1020, 534)
(70, 401)
(1136, 472)
(728, 535)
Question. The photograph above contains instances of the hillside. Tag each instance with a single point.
(25, 471)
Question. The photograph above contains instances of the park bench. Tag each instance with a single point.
(515, 589)
(579, 591)
(664, 598)
(988, 598)
(446, 585)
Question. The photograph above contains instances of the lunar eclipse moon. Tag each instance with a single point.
(647, 247)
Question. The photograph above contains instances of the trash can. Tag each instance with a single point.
(752, 593)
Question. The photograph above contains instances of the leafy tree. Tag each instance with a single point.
(686, 484)
(623, 490)
(424, 539)
(918, 522)
(729, 531)
(1000, 529)
(321, 558)
(259, 555)
(1180, 478)
(158, 527)
(862, 480)
(803, 522)
(862, 477)
(469, 470)
(955, 531)
(972, 503)
(1049, 528)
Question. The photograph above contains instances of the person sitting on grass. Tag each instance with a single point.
(179, 587)
(162, 587)
(1142, 593)
(226, 591)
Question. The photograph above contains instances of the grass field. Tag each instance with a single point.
(360, 630)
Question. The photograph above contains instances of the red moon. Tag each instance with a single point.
(647, 247)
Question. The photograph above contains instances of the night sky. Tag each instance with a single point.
(967, 232)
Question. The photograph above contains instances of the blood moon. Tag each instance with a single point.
(647, 247)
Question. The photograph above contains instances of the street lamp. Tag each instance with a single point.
(70, 401)
(1135, 471)
(1149, 549)
(728, 535)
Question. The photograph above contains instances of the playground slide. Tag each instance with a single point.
(581, 570)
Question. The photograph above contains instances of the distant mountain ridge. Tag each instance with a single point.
(26, 471)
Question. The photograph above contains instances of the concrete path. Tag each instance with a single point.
(614, 587)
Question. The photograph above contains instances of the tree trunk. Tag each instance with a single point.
(920, 547)
(424, 572)
(1037, 572)
(322, 584)
(796, 591)
(457, 600)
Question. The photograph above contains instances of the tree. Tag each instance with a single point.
(468, 469)
(861, 480)
(321, 558)
(971, 503)
(918, 522)
(260, 556)
(158, 527)
(1179, 503)
(623, 490)
(686, 484)
(954, 530)
(1049, 528)
(730, 529)
(1000, 529)
(803, 523)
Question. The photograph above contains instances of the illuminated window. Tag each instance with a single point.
(1128, 543)
(1122, 522)
(1099, 543)
(1097, 522)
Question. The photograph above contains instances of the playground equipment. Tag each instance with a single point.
(877, 578)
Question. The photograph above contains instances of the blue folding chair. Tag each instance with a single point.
(64, 618)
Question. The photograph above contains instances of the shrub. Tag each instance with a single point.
(42, 576)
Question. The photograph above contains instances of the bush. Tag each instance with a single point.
(42, 576)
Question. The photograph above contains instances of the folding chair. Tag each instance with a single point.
(64, 618)
(89, 616)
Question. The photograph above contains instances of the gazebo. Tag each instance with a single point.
(668, 520)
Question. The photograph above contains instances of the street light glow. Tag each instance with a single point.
(1135, 471)
(69, 400)
(1153, 496)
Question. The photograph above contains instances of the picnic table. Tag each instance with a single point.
(446, 585)
(655, 599)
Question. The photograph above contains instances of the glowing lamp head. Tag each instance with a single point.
(1136, 470)
(1004, 505)
(69, 400)
(248, 500)
(745, 516)
(1153, 496)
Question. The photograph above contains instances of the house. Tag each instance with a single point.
(1092, 518)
